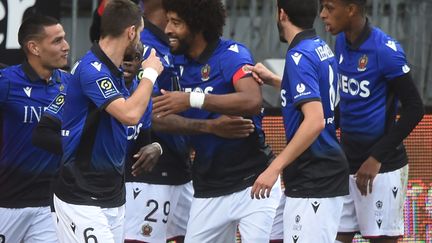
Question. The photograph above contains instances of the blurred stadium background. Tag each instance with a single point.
(253, 23)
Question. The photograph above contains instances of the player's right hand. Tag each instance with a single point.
(263, 184)
(153, 61)
(231, 127)
(262, 74)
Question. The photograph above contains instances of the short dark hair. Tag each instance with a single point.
(207, 16)
(117, 16)
(360, 3)
(301, 13)
(33, 28)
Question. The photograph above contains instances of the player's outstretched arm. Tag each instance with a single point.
(224, 126)
(246, 101)
(129, 111)
(263, 75)
(308, 131)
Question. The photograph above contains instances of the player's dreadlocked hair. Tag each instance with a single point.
(207, 16)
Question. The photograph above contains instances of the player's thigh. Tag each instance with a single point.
(148, 207)
(81, 223)
(180, 208)
(380, 213)
(312, 219)
(14, 222)
(348, 222)
(256, 217)
(42, 228)
(210, 220)
(277, 228)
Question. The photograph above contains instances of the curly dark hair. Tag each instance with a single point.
(207, 16)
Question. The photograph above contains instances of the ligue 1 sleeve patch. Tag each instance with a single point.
(107, 87)
(244, 71)
(57, 104)
(140, 74)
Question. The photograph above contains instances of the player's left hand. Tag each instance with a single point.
(366, 175)
(146, 158)
(264, 183)
(170, 103)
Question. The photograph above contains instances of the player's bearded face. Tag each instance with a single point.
(180, 45)
(281, 36)
(180, 37)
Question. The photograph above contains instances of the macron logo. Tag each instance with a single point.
(392, 45)
(234, 48)
(340, 59)
(296, 57)
(145, 50)
(27, 90)
(97, 65)
(167, 59)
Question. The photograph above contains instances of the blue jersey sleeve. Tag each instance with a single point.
(99, 87)
(303, 78)
(235, 61)
(4, 88)
(392, 59)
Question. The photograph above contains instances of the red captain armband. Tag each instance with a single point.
(101, 7)
(244, 71)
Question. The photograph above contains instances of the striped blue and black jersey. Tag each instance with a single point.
(310, 74)
(94, 142)
(222, 166)
(26, 171)
(367, 105)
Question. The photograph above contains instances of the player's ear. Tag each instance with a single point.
(282, 16)
(131, 32)
(32, 47)
(352, 9)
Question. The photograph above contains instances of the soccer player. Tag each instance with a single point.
(315, 169)
(216, 80)
(164, 194)
(155, 194)
(374, 74)
(26, 171)
(89, 195)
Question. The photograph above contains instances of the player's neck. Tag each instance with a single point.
(356, 28)
(114, 48)
(42, 72)
(198, 46)
(290, 31)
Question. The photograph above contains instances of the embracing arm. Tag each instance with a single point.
(246, 101)
(129, 111)
(264, 76)
(223, 126)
